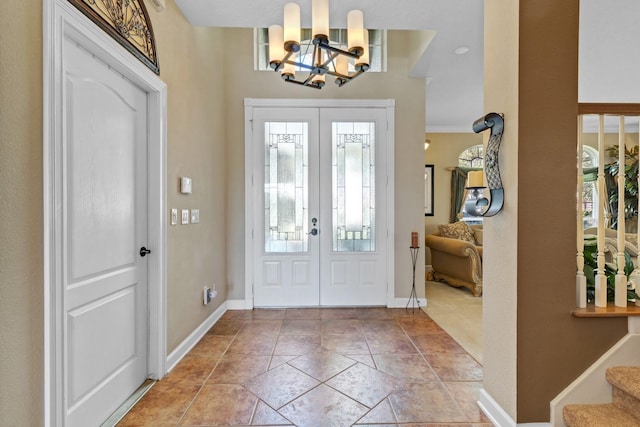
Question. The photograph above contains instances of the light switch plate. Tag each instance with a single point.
(185, 185)
(174, 216)
(195, 216)
(185, 216)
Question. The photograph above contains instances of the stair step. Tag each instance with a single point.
(597, 415)
(626, 378)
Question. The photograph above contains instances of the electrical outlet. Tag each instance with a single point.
(174, 216)
(195, 216)
(206, 295)
(185, 216)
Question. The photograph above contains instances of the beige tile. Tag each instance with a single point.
(365, 359)
(281, 385)
(322, 365)
(253, 327)
(323, 406)
(279, 360)
(300, 327)
(162, 406)
(373, 313)
(382, 414)
(226, 327)
(265, 415)
(297, 345)
(436, 343)
(341, 326)
(192, 370)
(302, 313)
(419, 326)
(238, 368)
(268, 314)
(425, 403)
(455, 367)
(221, 404)
(345, 343)
(394, 344)
(379, 326)
(409, 368)
(338, 313)
(364, 384)
(255, 344)
(211, 346)
(467, 394)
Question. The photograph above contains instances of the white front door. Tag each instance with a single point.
(319, 203)
(104, 225)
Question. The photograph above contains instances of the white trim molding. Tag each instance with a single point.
(60, 20)
(194, 337)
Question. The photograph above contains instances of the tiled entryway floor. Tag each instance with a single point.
(319, 367)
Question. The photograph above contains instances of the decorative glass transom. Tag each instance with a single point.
(353, 181)
(286, 172)
(472, 157)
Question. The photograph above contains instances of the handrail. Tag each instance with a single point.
(609, 108)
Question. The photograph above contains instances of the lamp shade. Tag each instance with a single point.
(276, 44)
(320, 18)
(475, 179)
(291, 27)
(342, 64)
(364, 58)
(355, 28)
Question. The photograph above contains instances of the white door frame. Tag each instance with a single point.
(61, 19)
(249, 105)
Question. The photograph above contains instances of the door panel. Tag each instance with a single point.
(285, 197)
(319, 204)
(104, 225)
(353, 197)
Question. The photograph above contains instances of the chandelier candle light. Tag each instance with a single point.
(284, 47)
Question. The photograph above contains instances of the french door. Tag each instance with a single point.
(319, 198)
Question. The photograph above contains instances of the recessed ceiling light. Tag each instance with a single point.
(461, 50)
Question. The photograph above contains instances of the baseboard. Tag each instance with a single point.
(239, 304)
(185, 346)
(493, 411)
(499, 416)
(405, 303)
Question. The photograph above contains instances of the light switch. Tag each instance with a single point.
(185, 216)
(195, 216)
(174, 216)
(185, 185)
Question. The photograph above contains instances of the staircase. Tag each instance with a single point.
(624, 411)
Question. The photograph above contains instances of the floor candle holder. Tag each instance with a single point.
(413, 297)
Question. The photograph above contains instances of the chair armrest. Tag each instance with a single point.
(453, 246)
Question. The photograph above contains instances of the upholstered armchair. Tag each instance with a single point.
(456, 257)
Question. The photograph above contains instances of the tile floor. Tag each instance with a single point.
(319, 367)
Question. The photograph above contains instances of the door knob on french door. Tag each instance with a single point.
(314, 231)
(144, 251)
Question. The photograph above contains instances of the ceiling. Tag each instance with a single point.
(454, 82)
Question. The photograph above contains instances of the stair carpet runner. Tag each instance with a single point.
(624, 411)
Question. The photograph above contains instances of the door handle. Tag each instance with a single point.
(144, 251)
(314, 232)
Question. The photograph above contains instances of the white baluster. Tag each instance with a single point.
(601, 278)
(581, 279)
(621, 278)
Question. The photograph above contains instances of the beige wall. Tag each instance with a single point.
(409, 93)
(196, 148)
(21, 291)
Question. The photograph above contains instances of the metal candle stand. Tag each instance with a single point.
(413, 297)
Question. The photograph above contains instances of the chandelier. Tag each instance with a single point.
(284, 47)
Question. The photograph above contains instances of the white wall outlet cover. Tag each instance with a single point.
(174, 216)
(195, 216)
(185, 185)
(185, 216)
